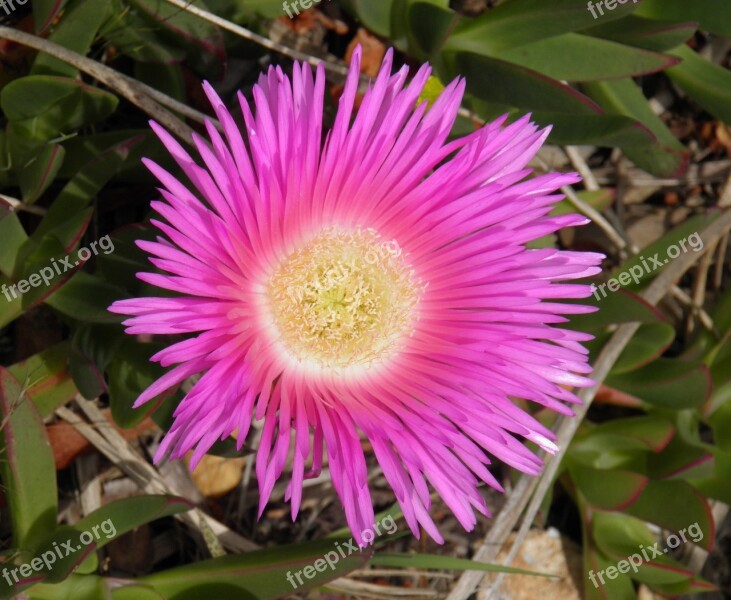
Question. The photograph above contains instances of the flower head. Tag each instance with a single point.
(378, 284)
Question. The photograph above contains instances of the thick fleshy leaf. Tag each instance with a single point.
(675, 505)
(121, 266)
(76, 587)
(81, 190)
(105, 524)
(76, 31)
(712, 15)
(650, 341)
(260, 575)
(81, 150)
(129, 374)
(434, 561)
(430, 26)
(26, 466)
(11, 305)
(50, 98)
(606, 588)
(118, 517)
(86, 375)
(13, 236)
(651, 34)
(202, 40)
(706, 83)
(665, 156)
(576, 57)
(168, 78)
(136, 592)
(131, 35)
(680, 460)
(599, 129)
(520, 87)
(716, 485)
(574, 118)
(46, 379)
(653, 258)
(621, 537)
(376, 16)
(619, 307)
(47, 267)
(519, 22)
(269, 9)
(720, 421)
(35, 177)
(41, 108)
(45, 12)
(694, 585)
(615, 444)
(608, 489)
(100, 342)
(666, 383)
(86, 298)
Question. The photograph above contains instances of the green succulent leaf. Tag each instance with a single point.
(27, 467)
(712, 15)
(651, 261)
(664, 156)
(75, 587)
(430, 26)
(681, 460)
(519, 22)
(129, 374)
(76, 31)
(618, 307)
(432, 561)
(649, 343)
(72, 548)
(675, 505)
(708, 84)
(608, 489)
(81, 190)
(35, 177)
(45, 13)
(45, 378)
(666, 383)
(202, 41)
(576, 57)
(131, 35)
(13, 236)
(650, 34)
(625, 538)
(260, 575)
(85, 297)
(614, 444)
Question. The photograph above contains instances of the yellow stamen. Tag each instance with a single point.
(344, 299)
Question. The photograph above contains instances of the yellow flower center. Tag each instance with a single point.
(344, 299)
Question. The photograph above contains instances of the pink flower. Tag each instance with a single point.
(377, 284)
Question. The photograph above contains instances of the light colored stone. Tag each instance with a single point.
(545, 552)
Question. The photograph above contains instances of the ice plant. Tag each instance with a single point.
(375, 284)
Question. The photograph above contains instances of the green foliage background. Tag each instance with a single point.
(65, 138)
